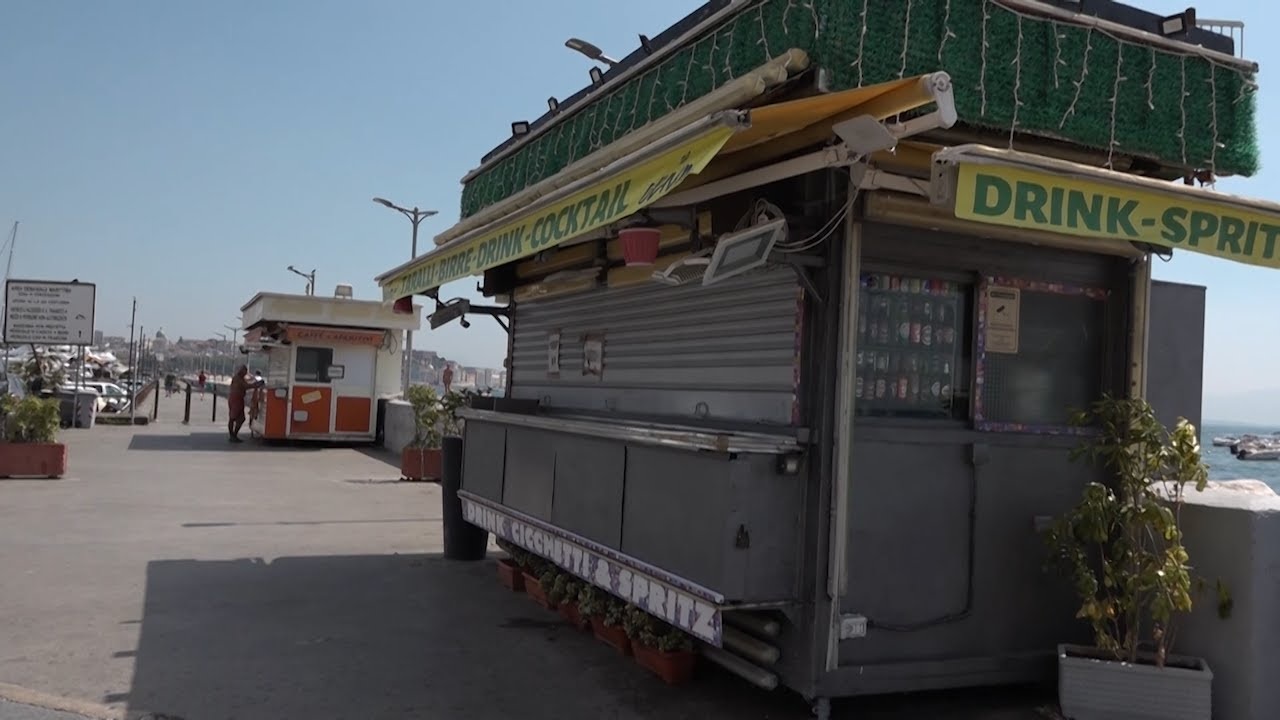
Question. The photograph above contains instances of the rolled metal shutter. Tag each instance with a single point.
(725, 352)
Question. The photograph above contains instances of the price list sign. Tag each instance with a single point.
(47, 312)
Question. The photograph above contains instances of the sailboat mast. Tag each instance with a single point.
(8, 271)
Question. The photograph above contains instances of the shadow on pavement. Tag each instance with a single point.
(213, 442)
(398, 636)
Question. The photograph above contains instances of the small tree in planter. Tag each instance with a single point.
(1122, 548)
(30, 447)
(540, 586)
(509, 568)
(663, 649)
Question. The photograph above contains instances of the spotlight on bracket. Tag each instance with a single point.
(597, 75)
(448, 312)
(1178, 24)
(520, 128)
(553, 105)
(646, 44)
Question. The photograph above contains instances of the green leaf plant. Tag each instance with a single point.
(1121, 546)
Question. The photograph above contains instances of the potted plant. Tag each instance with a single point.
(565, 595)
(539, 587)
(421, 458)
(606, 615)
(1122, 549)
(662, 649)
(30, 430)
(509, 572)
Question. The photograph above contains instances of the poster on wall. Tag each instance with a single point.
(593, 355)
(1003, 306)
(553, 354)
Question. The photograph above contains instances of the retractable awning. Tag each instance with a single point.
(643, 177)
(1020, 190)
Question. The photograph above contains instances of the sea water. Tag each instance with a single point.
(1224, 466)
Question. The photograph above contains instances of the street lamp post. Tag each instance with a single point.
(415, 216)
(310, 277)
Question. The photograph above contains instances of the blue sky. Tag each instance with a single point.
(187, 152)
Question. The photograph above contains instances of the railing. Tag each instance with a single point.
(1233, 29)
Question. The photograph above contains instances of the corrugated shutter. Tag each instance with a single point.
(725, 352)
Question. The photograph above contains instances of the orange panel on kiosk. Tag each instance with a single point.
(353, 415)
(276, 424)
(311, 410)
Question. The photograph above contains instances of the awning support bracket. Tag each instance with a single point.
(798, 263)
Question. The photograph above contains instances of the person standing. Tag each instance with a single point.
(201, 379)
(240, 386)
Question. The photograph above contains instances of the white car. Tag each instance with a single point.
(110, 394)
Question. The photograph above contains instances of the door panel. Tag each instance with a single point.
(353, 415)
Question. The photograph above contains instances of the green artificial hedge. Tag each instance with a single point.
(1004, 66)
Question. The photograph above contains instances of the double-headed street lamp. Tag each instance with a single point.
(415, 216)
(311, 278)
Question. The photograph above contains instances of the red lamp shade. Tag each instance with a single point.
(403, 306)
(640, 245)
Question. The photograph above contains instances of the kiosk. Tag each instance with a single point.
(328, 362)
(791, 365)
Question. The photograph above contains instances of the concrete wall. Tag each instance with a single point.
(398, 427)
(1232, 533)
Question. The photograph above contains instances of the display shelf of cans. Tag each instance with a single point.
(909, 333)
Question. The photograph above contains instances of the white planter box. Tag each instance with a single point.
(1092, 689)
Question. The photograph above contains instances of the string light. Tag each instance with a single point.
(946, 29)
(1057, 52)
(982, 74)
(1115, 100)
(906, 41)
(1017, 83)
(725, 52)
(1151, 82)
(1084, 72)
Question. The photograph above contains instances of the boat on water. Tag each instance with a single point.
(1260, 453)
(1225, 441)
(1257, 447)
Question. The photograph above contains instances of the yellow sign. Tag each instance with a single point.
(582, 212)
(1038, 200)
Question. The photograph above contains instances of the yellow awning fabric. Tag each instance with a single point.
(773, 121)
(1020, 190)
(638, 180)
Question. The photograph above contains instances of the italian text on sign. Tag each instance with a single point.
(582, 212)
(48, 312)
(1037, 200)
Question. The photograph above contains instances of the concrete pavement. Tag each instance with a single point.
(174, 573)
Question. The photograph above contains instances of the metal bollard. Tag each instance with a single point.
(186, 409)
(155, 404)
(215, 402)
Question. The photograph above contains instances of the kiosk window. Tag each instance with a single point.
(912, 347)
(312, 365)
(1043, 360)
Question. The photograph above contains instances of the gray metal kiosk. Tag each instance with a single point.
(828, 451)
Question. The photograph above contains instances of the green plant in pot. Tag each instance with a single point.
(30, 447)
(421, 459)
(1121, 548)
(659, 647)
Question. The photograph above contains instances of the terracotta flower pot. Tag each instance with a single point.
(614, 636)
(640, 245)
(569, 611)
(420, 463)
(510, 576)
(534, 589)
(42, 460)
(675, 668)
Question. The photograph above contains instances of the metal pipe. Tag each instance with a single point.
(1036, 7)
(757, 676)
(757, 651)
(757, 625)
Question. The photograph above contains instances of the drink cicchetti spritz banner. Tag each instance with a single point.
(1038, 200)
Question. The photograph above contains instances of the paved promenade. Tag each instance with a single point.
(174, 573)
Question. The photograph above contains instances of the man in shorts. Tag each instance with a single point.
(201, 379)
(241, 384)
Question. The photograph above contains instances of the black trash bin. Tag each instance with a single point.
(462, 540)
